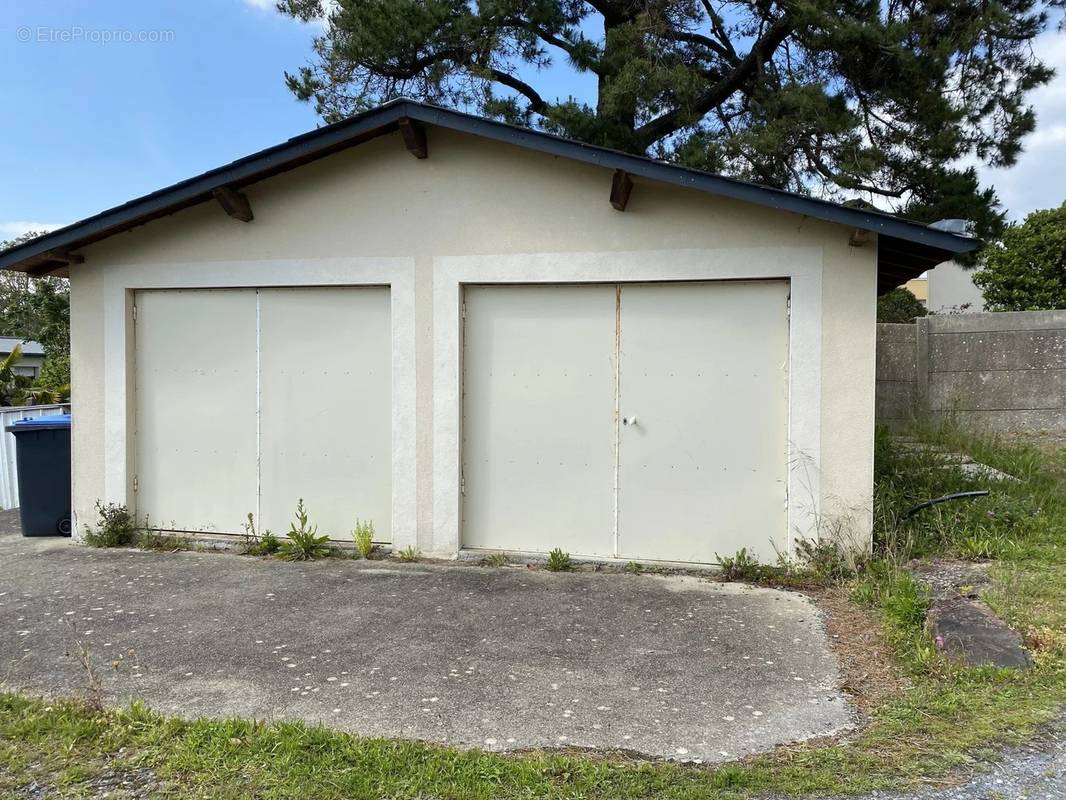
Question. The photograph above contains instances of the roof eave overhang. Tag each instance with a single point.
(910, 246)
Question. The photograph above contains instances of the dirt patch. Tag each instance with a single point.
(868, 670)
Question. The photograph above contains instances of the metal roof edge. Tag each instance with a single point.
(330, 138)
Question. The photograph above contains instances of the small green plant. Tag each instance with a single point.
(906, 603)
(977, 547)
(495, 560)
(981, 545)
(828, 561)
(634, 568)
(157, 540)
(742, 566)
(267, 545)
(864, 593)
(304, 543)
(408, 554)
(363, 535)
(118, 527)
(558, 561)
(251, 537)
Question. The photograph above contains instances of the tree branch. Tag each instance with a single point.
(563, 44)
(701, 40)
(749, 66)
(536, 103)
(849, 183)
(718, 26)
(412, 68)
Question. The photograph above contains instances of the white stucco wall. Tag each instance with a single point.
(477, 211)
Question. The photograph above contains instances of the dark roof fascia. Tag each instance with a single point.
(331, 138)
(250, 169)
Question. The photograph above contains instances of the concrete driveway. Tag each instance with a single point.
(502, 659)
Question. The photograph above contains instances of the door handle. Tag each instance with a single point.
(629, 420)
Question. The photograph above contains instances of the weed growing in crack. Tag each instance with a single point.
(741, 566)
(117, 528)
(363, 536)
(268, 545)
(304, 543)
(94, 691)
(558, 561)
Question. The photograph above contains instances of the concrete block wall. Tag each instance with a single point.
(897, 375)
(1003, 371)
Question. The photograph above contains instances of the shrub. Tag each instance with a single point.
(304, 543)
(495, 560)
(408, 554)
(1027, 270)
(634, 568)
(558, 561)
(118, 527)
(363, 535)
(899, 305)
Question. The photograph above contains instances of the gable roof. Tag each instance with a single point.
(905, 249)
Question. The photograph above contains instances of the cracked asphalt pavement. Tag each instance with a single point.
(501, 659)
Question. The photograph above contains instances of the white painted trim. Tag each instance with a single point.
(398, 273)
(802, 266)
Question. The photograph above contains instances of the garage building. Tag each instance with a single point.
(481, 337)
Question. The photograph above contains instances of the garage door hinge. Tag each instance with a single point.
(136, 483)
(135, 313)
(788, 306)
(464, 309)
(462, 485)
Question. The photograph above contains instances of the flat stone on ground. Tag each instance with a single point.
(969, 632)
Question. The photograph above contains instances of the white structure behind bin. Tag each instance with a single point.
(9, 487)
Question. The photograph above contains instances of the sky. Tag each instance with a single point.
(105, 101)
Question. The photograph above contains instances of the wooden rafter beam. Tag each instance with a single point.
(859, 238)
(66, 257)
(54, 262)
(621, 186)
(234, 203)
(49, 268)
(414, 137)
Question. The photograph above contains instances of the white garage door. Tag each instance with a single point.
(703, 470)
(196, 408)
(538, 426)
(250, 399)
(637, 421)
(326, 399)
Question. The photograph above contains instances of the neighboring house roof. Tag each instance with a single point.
(7, 344)
(905, 248)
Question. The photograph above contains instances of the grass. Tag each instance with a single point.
(950, 717)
